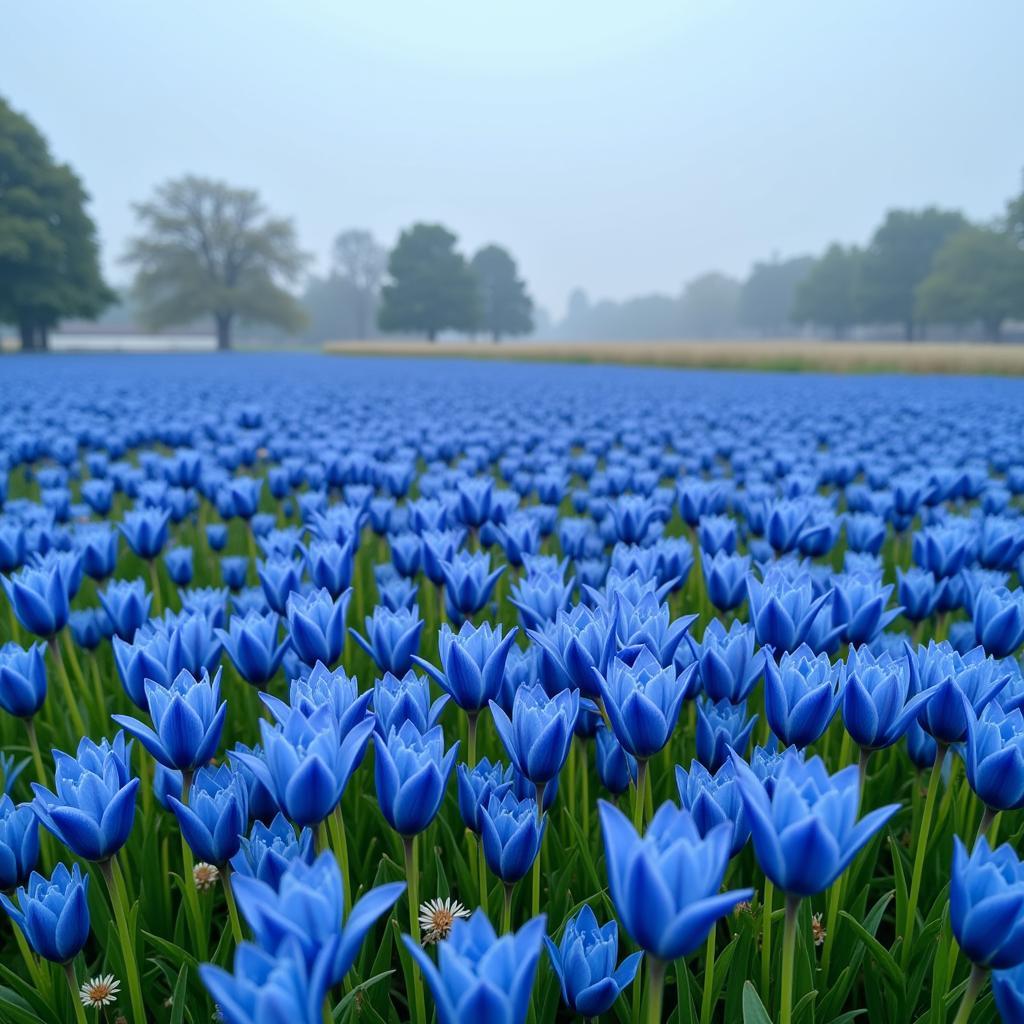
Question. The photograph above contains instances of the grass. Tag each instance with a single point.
(771, 355)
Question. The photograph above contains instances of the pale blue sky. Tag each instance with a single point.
(623, 147)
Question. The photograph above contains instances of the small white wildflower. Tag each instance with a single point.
(205, 875)
(99, 991)
(437, 918)
(818, 930)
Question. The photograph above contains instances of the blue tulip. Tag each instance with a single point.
(986, 904)
(272, 987)
(330, 565)
(307, 907)
(406, 553)
(244, 496)
(802, 694)
(392, 638)
(713, 797)
(722, 727)
(126, 603)
(251, 644)
(1008, 990)
(216, 815)
(316, 624)
(395, 592)
(643, 701)
(512, 833)
(783, 610)
(321, 687)
(145, 529)
(439, 546)
(397, 700)
(178, 562)
(539, 734)
(572, 647)
(22, 679)
(865, 532)
(998, 616)
(728, 667)
(477, 785)
(858, 606)
(234, 570)
(262, 805)
(468, 583)
(93, 809)
(476, 495)
(411, 774)
(40, 597)
(187, 715)
(217, 536)
(268, 850)
(12, 546)
(479, 976)
(919, 592)
(806, 832)
(53, 913)
(307, 762)
(943, 550)
(472, 663)
(279, 578)
(725, 579)
(19, 842)
(994, 756)
(666, 919)
(166, 783)
(584, 962)
(98, 544)
(615, 768)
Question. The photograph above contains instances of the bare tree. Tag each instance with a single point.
(361, 262)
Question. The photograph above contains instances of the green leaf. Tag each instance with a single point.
(881, 955)
(178, 997)
(753, 1009)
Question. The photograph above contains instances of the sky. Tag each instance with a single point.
(620, 147)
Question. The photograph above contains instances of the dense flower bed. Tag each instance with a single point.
(380, 690)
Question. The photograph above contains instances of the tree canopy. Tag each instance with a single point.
(207, 248)
(505, 307)
(766, 299)
(49, 255)
(359, 262)
(431, 287)
(828, 294)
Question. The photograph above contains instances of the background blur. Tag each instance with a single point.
(314, 171)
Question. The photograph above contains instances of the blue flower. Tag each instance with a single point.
(320, 687)
(666, 885)
(783, 610)
(217, 536)
(473, 663)
(943, 550)
(994, 756)
(307, 908)
(725, 578)
(468, 583)
(216, 815)
(307, 762)
(806, 832)
(722, 727)
(584, 962)
(882, 696)
(145, 529)
(713, 798)
(986, 904)
(53, 914)
(1008, 989)
(178, 562)
(126, 603)
(476, 496)
(802, 694)
(406, 553)
(540, 597)
(97, 544)
(317, 626)
(188, 716)
(919, 592)
(858, 606)
(19, 842)
(22, 679)
(998, 616)
(615, 768)
(397, 700)
(475, 787)
(268, 850)
(93, 810)
(251, 644)
(40, 597)
(392, 638)
(234, 570)
(643, 701)
(479, 976)
(512, 833)
(865, 532)
(728, 667)
(539, 734)
(279, 578)
(262, 805)
(330, 564)
(572, 647)
(411, 774)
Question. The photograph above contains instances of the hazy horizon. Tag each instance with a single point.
(620, 151)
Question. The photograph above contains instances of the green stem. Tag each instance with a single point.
(131, 967)
(788, 951)
(831, 924)
(154, 582)
(974, 985)
(506, 910)
(35, 971)
(986, 823)
(97, 687)
(412, 877)
(340, 843)
(69, 973)
(766, 939)
(919, 856)
(482, 869)
(37, 757)
(229, 897)
(655, 988)
(472, 717)
(536, 863)
(639, 791)
(707, 997)
(69, 695)
(199, 935)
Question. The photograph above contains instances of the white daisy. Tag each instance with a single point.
(99, 991)
(205, 875)
(437, 918)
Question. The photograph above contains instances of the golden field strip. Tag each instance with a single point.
(796, 355)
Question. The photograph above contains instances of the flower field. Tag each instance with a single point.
(400, 690)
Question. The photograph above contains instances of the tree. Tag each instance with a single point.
(766, 300)
(49, 255)
(360, 262)
(898, 259)
(828, 294)
(431, 286)
(709, 305)
(977, 277)
(210, 249)
(505, 308)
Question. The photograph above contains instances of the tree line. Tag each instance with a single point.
(206, 250)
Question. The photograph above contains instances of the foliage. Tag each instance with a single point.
(766, 299)
(828, 294)
(505, 307)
